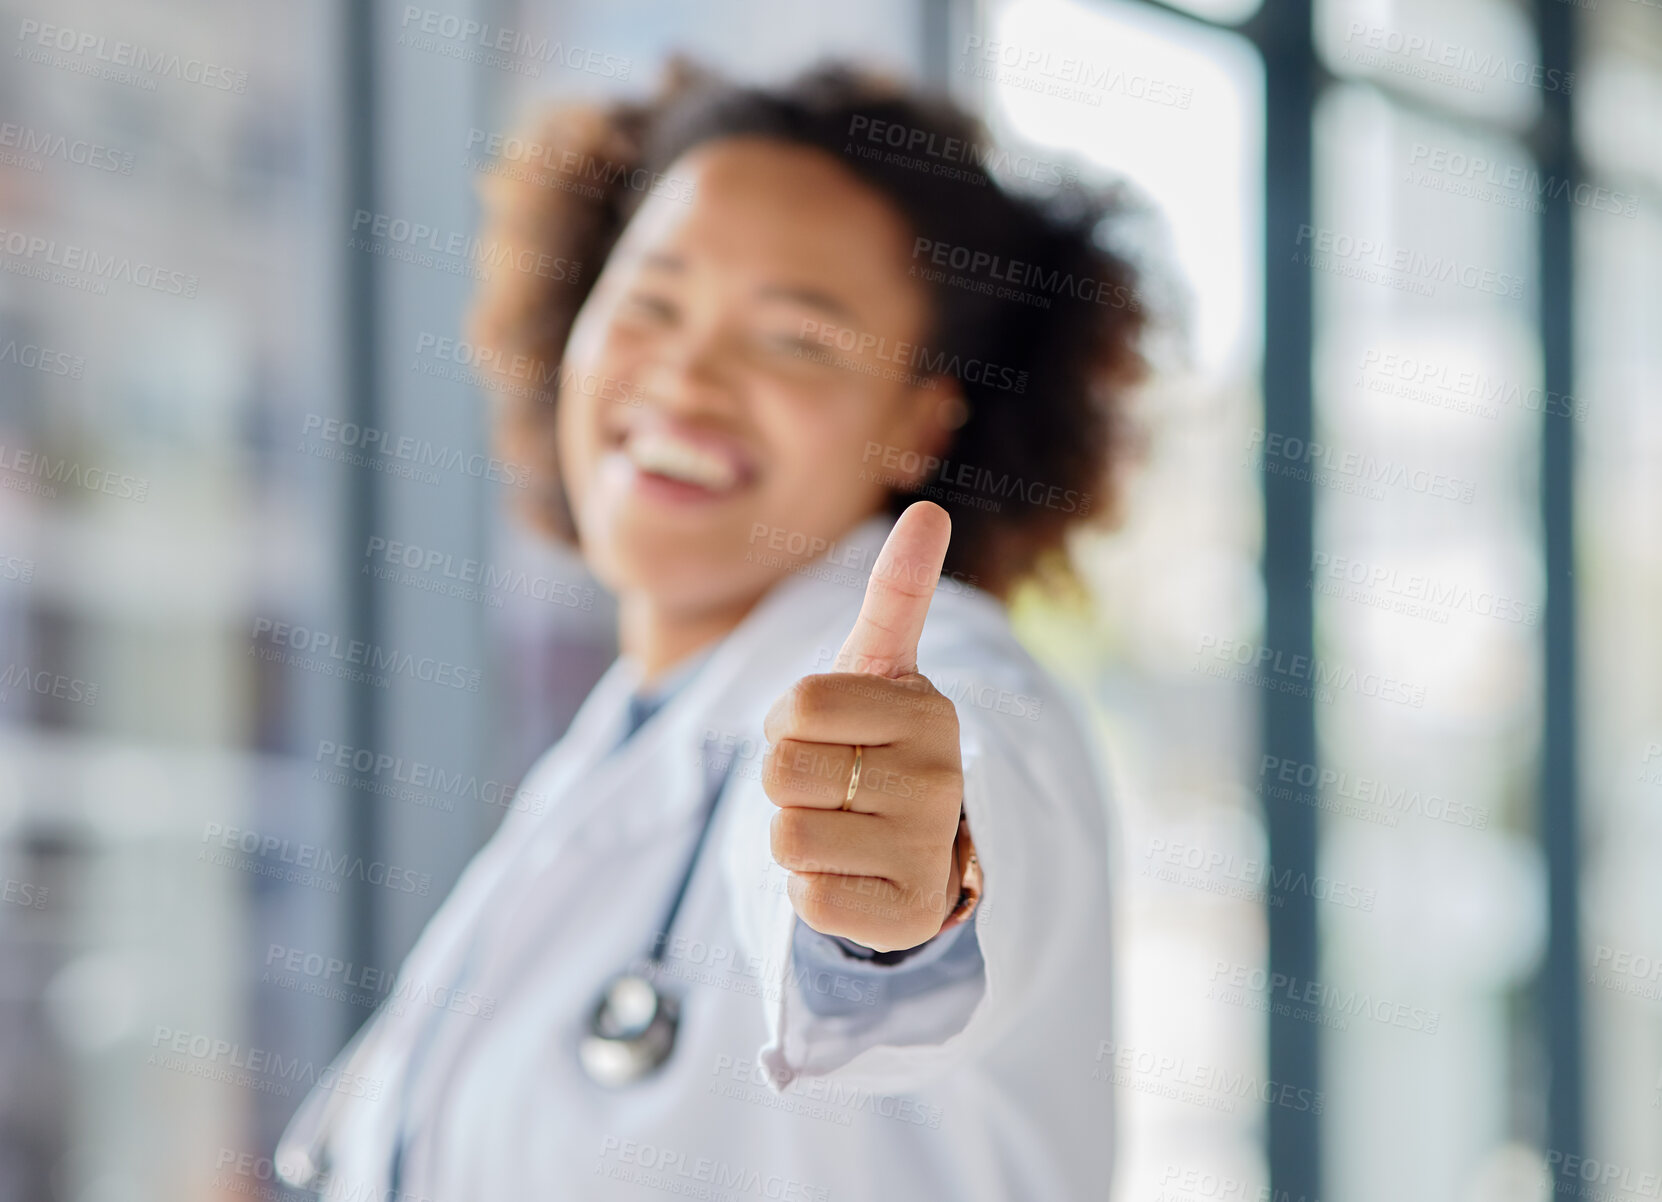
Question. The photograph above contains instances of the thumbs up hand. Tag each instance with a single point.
(865, 765)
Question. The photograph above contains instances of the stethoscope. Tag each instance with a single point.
(633, 1026)
(632, 1031)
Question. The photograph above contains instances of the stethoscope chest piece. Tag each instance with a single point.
(631, 1032)
(633, 1026)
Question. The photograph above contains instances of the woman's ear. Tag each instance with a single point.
(932, 412)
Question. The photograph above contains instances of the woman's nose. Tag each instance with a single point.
(689, 373)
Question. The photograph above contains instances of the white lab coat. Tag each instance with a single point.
(988, 1089)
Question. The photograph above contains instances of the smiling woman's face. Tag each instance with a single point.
(742, 422)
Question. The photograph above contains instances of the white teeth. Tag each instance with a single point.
(665, 455)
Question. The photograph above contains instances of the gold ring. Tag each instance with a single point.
(854, 777)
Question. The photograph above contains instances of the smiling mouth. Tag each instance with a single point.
(662, 453)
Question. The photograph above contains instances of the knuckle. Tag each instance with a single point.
(941, 710)
(808, 700)
(930, 788)
(780, 780)
(777, 764)
(772, 777)
(811, 905)
(866, 687)
(840, 899)
(948, 784)
(931, 849)
(787, 838)
(916, 693)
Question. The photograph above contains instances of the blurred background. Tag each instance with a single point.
(1375, 654)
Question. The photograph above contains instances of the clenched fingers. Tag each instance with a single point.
(853, 707)
(817, 776)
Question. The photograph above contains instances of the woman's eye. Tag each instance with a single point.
(649, 307)
(789, 343)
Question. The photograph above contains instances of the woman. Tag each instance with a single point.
(818, 906)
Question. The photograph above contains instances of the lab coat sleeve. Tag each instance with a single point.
(1034, 804)
(833, 980)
